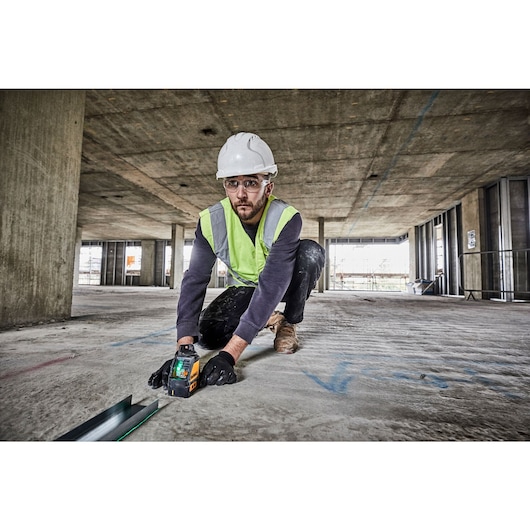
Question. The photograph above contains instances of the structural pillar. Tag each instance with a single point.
(177, 256)
(77, 256)
(506, 257)
(147, 269)
(413, 261)
(41, 134)
(472, 244)
(322, 243)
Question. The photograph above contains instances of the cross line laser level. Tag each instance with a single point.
(183, 377)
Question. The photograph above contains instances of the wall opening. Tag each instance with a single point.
(120, 262)
(438, 247)
(90, 264)
(368, 267)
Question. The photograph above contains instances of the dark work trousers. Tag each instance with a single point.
(219, 320)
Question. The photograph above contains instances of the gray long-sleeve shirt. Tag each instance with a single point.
(272, 284)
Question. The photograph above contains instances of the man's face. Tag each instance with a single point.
(250, 196)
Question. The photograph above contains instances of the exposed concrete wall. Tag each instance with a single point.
(41, 134)
(473, 222)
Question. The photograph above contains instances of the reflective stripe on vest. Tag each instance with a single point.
(245, 260)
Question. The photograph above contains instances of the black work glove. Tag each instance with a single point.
(219, 370)
(161, 376)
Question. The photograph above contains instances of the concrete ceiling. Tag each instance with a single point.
(371, 163)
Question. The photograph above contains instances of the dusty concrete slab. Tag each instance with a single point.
(372, 366)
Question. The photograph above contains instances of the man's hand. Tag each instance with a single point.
(161, 376)
(219, 370)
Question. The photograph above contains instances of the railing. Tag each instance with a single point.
(352, 281)
(504, 273)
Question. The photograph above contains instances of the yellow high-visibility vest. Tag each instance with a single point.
(224, 232)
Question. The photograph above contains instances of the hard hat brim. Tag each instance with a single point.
(271, 171)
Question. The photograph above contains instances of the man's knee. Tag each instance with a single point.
(311, 253)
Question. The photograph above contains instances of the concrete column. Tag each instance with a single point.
(506, 258)
(177, 256)
(473, 241)
(326, 267)
(413, 261)
(322, 243)
(77, 256)
(41, 133)
(147, 270)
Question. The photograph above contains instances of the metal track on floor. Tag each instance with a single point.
(113, 424)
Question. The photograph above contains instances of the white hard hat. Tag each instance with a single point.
(245, 154)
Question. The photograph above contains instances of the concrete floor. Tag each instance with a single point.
(372, 366)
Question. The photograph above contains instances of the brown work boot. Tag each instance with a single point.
(286, 340)
(274, 320)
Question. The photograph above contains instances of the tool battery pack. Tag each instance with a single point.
(184, 375)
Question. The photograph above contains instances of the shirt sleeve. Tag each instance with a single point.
(194, 285)
(273, 281)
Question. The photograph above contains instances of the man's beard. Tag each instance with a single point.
(246, 216)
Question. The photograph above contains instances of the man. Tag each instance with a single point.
(257, 236)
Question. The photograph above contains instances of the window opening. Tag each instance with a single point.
(440, 250)
(369, 267)
(133, 260)
(90, 265)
